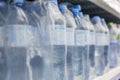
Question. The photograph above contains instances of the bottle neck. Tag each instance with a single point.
(75, 14)
(63, 11)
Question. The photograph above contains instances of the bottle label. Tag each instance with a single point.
(100, 39)
(81, 37)
(19, 35)
(70, 36)
(92, 38)
(58, 35)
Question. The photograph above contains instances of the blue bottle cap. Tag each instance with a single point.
(19, 2)
(102, 20)
(78, 7)
(75, 11)
(62, 7)
(96, 18)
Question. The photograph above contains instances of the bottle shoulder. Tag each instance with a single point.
(16, 16)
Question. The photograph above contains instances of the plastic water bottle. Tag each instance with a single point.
(113, 46)
(92, 44)
(3, 67)
(70, 40)
(86, 65)
(99, 51)
(17, 40)
(107, 43)
(53, 30)
(77, 57)
(36, 55)
(86, 56)
(58, 39)
(81, 49)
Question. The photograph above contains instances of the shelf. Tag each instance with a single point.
(113, 74)
(109, 5)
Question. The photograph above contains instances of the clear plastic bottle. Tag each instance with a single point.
(113, 61)
(86, 65)
(107, 44)
(57, 32)
(91, 46)
(17, 40)
(99, 50)
(85, 56)
(53, 30)
(3, 66)
(70, 40)
(36, 56)
(80, 59)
